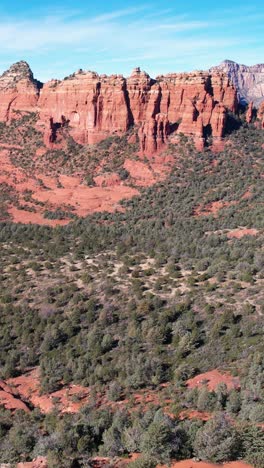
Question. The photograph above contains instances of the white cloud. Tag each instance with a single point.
(105, 30)
(130, 35)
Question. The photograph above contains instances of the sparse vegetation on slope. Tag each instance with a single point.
(134, 304)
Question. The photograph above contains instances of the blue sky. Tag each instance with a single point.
(58, 37)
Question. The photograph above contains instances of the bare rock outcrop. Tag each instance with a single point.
(94, 106)
(19, 91)
(250, 113)
(260, 115)
(249, 80)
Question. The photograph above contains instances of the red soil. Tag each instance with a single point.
(212, 379)
(99, 462)
(107, 180)
(144, 174)
(239, 233)
(202, 464)
(70, 191)
(28, 217)
(40, 462)
(141, 399)
(211, 208)
(194, 414)
(28, 388)
(70, 398)
(247, 195)
(39, 192)
(85, 199)
(10, 400)
(7, 146)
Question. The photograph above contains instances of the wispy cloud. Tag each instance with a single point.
(134, 35)
(119, 13)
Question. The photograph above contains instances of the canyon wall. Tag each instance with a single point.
(94, 106)
(249, 80)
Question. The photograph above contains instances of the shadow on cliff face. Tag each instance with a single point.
(233, 122)
(207, 135)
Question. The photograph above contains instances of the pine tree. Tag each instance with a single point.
(217, 440)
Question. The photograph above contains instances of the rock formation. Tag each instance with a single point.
(250, 113)
(249, 81)
(19, 91)
(260, 115)
(94, 106)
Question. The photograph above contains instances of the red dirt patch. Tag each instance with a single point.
(29, 217)
(142, 399)
(7, 146)
(212, 379)
(194, 414)
(239, 233)
(36, 191)
(56, 193)
(107, 180)
(40, 462)
(202, 464)
(10, 400)
(85, 199)
(143, 174)
(211, 208)
(69, 399)
(247, 195)
(99, 462)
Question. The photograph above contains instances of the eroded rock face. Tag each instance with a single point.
(94, 106)
(98, 106)
(250, 113)
(260, 115)
(19, 91)
(248, 80)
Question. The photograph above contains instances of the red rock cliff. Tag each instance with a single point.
(95, 106)
(260, 115)
(18, 91)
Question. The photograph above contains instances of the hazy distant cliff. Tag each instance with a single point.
(249, 81)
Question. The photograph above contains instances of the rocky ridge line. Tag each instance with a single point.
(96, 106)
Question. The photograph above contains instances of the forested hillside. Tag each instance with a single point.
(131, 306)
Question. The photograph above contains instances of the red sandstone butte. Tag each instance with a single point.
(94, 106)
(19, 91)
(260, 115)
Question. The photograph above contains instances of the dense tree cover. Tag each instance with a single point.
(73, 440)
(129, 301)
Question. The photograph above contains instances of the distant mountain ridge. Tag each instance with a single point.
(249, 80)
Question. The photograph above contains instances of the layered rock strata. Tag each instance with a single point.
(19, 91)
(94, 106)
(249, 80)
